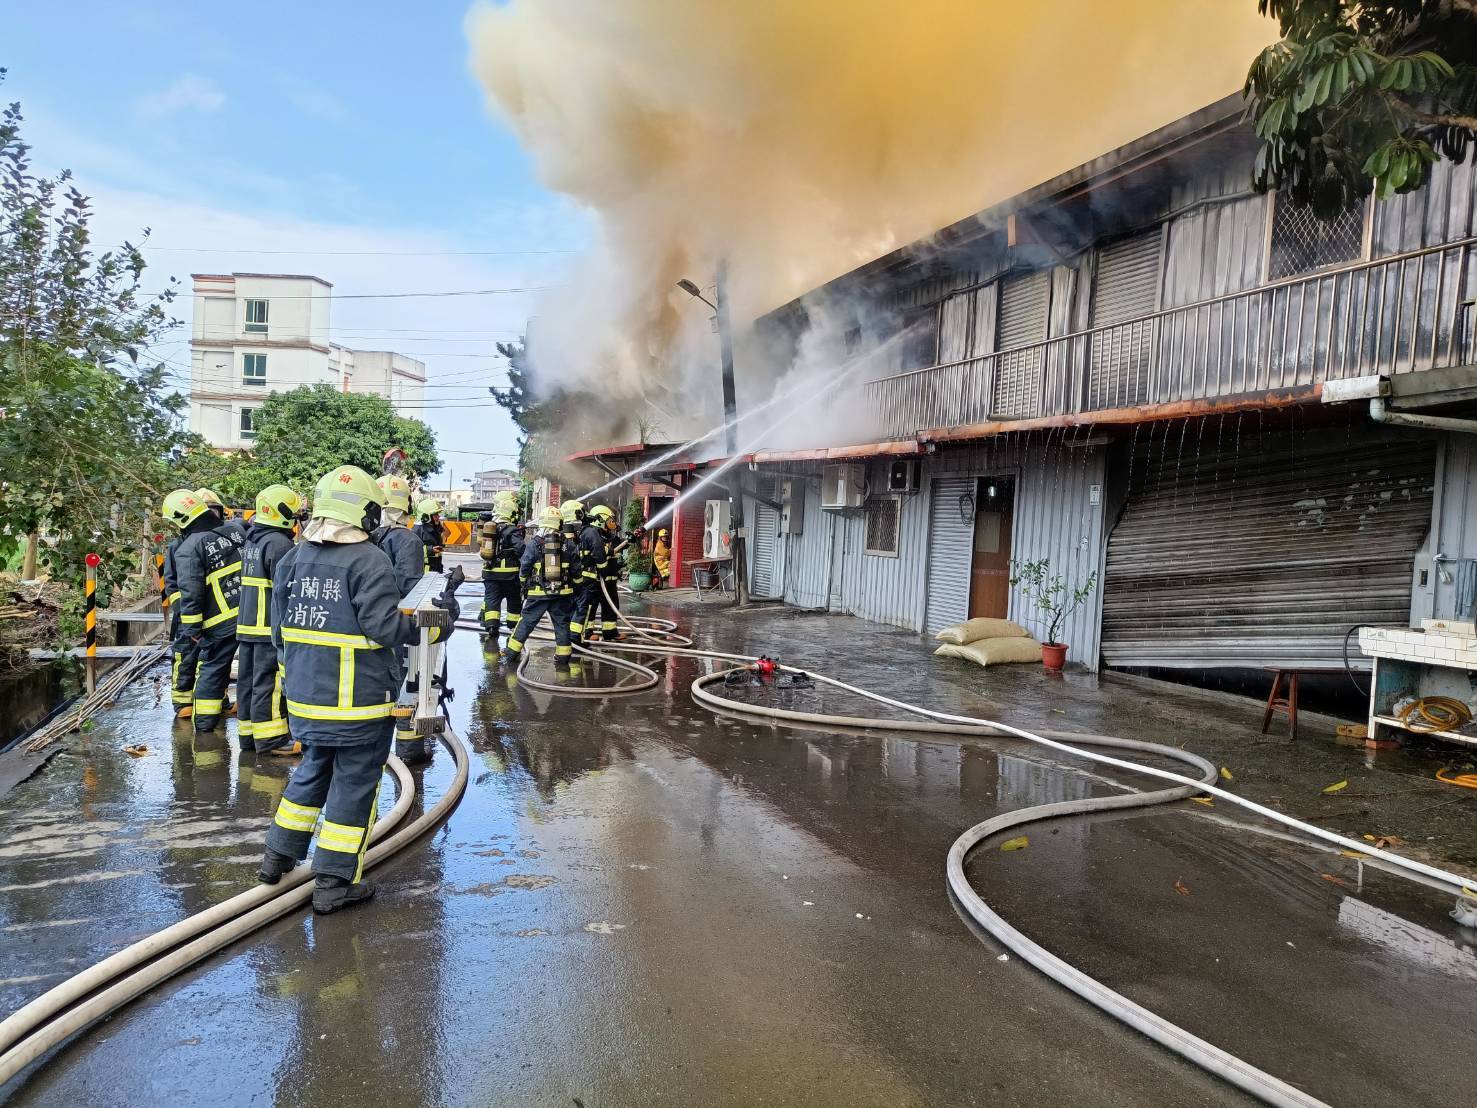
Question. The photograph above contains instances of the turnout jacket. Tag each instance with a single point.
(264, 548)
(531, 567)
(611, 571)
(433, 535)
(335, 622)
(593, 553)
(207, 571)
(406, 551)
(507, 557)
(171, 577)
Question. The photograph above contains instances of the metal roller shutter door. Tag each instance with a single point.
(1263, 551)
(766, 537)
(1023, 304)
(950, 550)
(1126, 287)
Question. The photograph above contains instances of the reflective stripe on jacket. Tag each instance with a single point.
(264, 548)
(207, 568)
(336, 620)
(509, 540)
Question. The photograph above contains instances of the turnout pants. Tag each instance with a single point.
(185, 656)
(212, 675)
(560, 608)
(341, 784)
(497, 589)
(585, 594)
(607, 607)
(261, 709)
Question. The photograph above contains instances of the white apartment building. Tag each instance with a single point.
(258, 333)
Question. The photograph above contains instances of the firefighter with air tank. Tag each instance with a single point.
(261, 712)
(501, 549)
(548, 570)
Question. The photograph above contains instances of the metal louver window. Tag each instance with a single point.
(766, 538)
(1303, 243)
(1125, 289)
(1246, 551)
(1022, 321)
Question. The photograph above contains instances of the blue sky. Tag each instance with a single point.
(347, 139)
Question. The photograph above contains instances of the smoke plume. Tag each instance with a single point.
(799, 138)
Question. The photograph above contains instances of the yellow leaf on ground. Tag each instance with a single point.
(1336, 786)
(1207, 801)
(136, 751)
(1353, 854)
(1180, 887)
(1227, 774)
(1019, 843)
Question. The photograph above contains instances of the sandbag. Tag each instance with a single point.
(993, 652)
(982, 628)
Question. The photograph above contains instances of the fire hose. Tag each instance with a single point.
(1206, 1055)
(56, 1015)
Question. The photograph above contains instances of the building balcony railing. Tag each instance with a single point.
(1397, 314)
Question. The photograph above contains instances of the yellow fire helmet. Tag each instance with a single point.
(571, 511)
(505, 504)
(549, 519)
(396, 490)
(182, 507)
(603, 517)
(428, 507)
(277, 506)
(212, 500)
(349, 495)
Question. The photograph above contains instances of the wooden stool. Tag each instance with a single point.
(1288, 703)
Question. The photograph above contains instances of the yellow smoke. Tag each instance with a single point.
(799, 138)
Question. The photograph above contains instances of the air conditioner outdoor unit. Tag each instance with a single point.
(792, 506)
(843, 486)
(902, 476)
(717, 521)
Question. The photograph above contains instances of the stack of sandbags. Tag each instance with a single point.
(988, 642)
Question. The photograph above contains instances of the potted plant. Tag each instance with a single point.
(638, 568)
(1054, 599)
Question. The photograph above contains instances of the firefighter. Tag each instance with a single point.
(218, 506)
(184, 651)
(431, 533)
(396, 538)
(592, 554)
(502, 552)
(336, 621)
(207, 570)
(607, 594)
(261, 715)
(661, 556)
(547, 586)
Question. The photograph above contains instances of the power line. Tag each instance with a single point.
(399, 295)
(355, 253)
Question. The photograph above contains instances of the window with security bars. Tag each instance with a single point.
(884, 516)
(1303, 243)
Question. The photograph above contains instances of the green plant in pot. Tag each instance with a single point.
(638, 568)
(1053, 599)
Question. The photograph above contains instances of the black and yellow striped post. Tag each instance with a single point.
(90, 618)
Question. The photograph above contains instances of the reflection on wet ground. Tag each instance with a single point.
(641, 903)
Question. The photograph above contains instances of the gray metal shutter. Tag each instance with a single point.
(1126, 287)
(950, 554)
(762, 548)
(1022, 321)
(1263, 549)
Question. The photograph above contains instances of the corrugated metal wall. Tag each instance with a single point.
(1054, 518)
(1263, 549)
(1456, 535)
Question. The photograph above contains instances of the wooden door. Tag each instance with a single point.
(989, 571)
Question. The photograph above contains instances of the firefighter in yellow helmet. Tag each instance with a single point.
(395, 536)
(218, 506)
(261, 711)
(547, 586)
(336, 621)
(180, 508)
(431, 532)
(661, 556)
(207, 573)
(501, 549)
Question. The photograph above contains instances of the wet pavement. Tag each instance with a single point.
(639, 903)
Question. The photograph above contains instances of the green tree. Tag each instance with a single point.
(304, 433)
(540, 417)
(86, 420)
(1359, 97)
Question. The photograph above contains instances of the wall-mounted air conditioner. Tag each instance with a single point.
(902, 476)
(792, 506)
(843, 486)
(717, 521)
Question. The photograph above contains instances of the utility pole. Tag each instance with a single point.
(730, 417)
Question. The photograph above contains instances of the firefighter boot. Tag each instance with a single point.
(332, 893)
(411, 748)
(273, 866)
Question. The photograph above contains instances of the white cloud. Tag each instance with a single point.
(316, 103)
(187, 93)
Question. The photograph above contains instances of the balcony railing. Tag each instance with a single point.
(1397, 314)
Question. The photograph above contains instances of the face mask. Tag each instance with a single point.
(372, 517)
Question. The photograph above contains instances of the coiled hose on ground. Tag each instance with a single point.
(659, 638)
(53, 1017)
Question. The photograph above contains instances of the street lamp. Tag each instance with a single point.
(730, 420)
